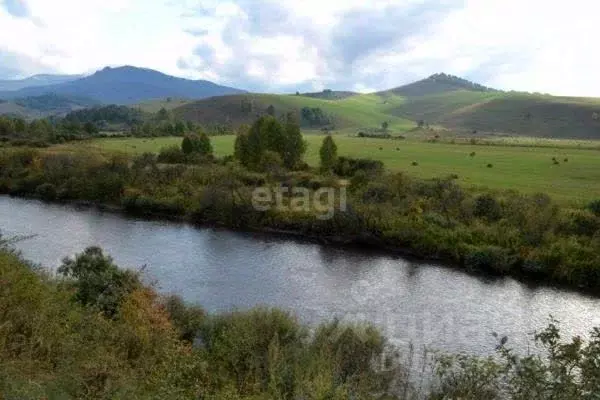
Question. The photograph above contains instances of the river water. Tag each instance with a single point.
(423, 304)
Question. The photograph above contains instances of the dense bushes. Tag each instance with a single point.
(55, 344)
(503, 233)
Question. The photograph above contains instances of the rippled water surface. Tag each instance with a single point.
(412, 302)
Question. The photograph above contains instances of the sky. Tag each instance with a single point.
(543, 46)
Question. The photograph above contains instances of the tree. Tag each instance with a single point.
(179, 128)
(328, 153)
(271, 110)
(90, 128)
(295, 146)
(162, 115)
(385, 125)
(241, 149)
(203, 145)
(187, 145)
(99, 282)
(198, 144)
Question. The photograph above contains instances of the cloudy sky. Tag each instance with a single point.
(288, 45)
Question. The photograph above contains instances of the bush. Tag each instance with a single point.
(171, 155)
(347, 167)
(46, 191)
(491, 259)
(486, 206)
(594, 207)
(98, 281)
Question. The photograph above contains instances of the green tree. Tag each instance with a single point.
(241, 150)
(198, 144)
(203, 145)
(295, 145)
(99, 282)
(187, 145)
(271, 110)
(20, 125)
(179, 128)
(328, 153)
(162, 115)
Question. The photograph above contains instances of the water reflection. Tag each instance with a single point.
(426, 305)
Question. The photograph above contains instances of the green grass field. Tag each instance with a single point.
(526, 169)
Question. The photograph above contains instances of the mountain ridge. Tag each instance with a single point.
(127, 85)
(36, 80)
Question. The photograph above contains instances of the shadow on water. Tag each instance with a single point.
(424, 303)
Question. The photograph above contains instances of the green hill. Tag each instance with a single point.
(349, 114)
(460, 105)
(441, 100)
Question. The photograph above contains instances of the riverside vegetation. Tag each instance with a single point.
(95, 331)
(504, 233)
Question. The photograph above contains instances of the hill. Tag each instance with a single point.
(351, 114)
(435, 84)
(36, 80)
(127, 85)
(44, 105)
(461, 105)
(440, 100)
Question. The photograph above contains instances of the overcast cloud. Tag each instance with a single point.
(304, 45)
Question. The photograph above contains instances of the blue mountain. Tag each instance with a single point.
(127, 85)
(36, 80)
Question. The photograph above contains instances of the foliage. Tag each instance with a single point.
(267, 134)
(328, 154)
(563, 370)
(314, 117)
(98, 281)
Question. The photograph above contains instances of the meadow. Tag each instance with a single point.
(526, 168)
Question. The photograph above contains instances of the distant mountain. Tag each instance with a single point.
(436, 84)
(44, 105)
(36, 80)
(128, 85)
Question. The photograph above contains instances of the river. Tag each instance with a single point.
(423, 304)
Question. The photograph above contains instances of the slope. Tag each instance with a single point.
(36, 80)
(350, 114)
(464, 106)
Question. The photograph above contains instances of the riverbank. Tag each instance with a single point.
(501, 234)
(131, 342)
(357, 242)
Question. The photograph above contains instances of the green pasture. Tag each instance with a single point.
(527, 169)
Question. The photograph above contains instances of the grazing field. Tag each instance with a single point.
(524, 168)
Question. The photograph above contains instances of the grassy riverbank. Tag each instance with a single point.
(96, 332)
(504, 233)
(519, 164)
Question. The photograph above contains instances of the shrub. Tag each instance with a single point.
(594, 207)
(98, 281)
(491, 259)
(347, 167)
(486, 206)
(171, 155)
(46, 191)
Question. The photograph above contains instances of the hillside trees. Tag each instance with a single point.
(314, 117)
(267, 134)
(198, 144)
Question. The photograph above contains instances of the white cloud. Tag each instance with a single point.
(312, 44)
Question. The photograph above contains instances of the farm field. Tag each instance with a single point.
(527, 169)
